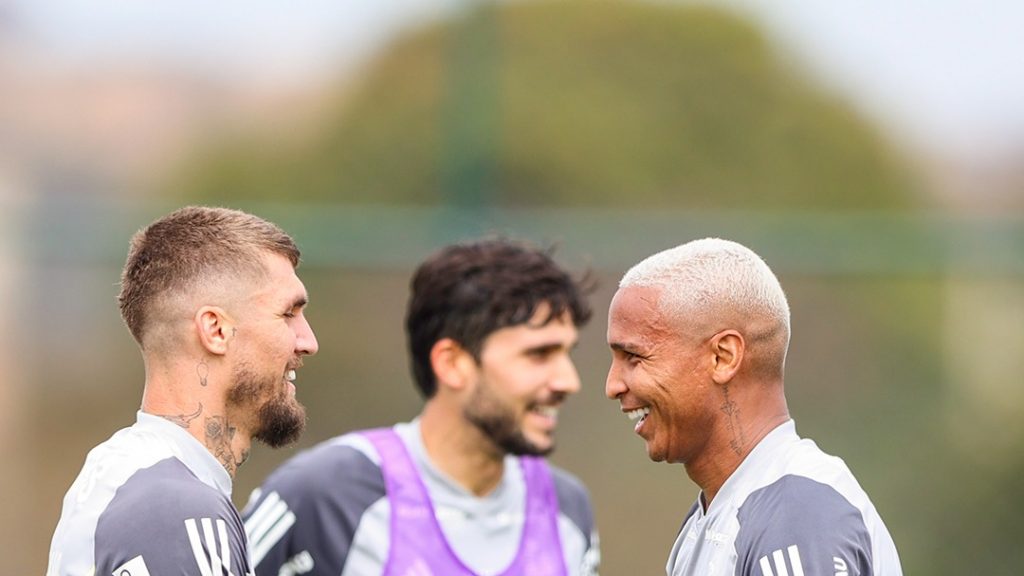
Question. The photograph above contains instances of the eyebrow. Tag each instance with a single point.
(551, 346)
(619, 347)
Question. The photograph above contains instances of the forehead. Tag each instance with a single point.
(282, 283)
(559, 330)
(634, 313)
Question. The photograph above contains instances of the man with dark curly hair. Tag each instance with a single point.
(463, 489)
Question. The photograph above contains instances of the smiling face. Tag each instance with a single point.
(272, 336)
(523, 376)
(661, 376)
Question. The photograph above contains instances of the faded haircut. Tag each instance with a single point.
(185, 251)
(714, 275)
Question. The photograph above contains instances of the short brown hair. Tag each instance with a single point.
(177, 252)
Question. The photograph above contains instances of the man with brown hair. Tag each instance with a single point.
(463, 489)
(211, 297)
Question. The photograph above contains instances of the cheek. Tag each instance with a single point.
(518, 378)
(281, 343)
(674, 389)
(658, 380)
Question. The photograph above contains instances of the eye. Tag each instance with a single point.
(631, 357)
(295, 308)
(542, 353)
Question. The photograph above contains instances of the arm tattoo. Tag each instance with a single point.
(733, 411)
(183, 420)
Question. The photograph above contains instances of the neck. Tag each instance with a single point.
(459, 449)
(734, 439)
(198, 407)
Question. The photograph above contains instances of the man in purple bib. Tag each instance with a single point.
(463, 489)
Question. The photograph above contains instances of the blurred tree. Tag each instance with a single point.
(580, 103)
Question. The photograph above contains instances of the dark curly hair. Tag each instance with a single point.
(467, 291)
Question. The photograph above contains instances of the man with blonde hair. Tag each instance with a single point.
(699, 335)
(211, 297)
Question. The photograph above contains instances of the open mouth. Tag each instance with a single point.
(546, 411)
(289, 382)
(548, 414)
(640, 415)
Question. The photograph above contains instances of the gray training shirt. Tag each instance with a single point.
(151, 500)
(326, 512)
(788, 510)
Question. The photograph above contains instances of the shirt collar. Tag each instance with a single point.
(196, 457)
(759, 457)
(413, 436)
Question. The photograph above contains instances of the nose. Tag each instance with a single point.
(614, 385)
(566, 378)
(305, 340)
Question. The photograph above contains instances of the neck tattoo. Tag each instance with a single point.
(203, 371)
(219, 434)
(732, 410)
(183, 420)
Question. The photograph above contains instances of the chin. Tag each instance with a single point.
(655, 455)
(281, 423)
(542, 442)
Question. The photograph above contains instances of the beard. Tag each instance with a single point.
(280, 419)
(497, 420)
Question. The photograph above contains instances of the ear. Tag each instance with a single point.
(727, 348)
(452, 364)
(215, 329)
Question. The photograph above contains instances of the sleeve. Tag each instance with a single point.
(798, 526)
(163, 521)
(304, 517)
(574, 503)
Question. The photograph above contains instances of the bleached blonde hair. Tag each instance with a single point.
(714, 276)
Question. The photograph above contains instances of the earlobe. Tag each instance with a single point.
(450, 362)
(214, 329)
(728, 348)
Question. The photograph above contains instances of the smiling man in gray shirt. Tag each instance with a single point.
(464, 489)
(212, 298)
(699, 335)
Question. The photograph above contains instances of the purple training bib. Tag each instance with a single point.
(419, 548)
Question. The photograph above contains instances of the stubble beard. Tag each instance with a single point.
(280, 419)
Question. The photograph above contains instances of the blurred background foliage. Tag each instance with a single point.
(575, 103)
(611, 129)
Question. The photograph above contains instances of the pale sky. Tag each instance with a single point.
(948, 75)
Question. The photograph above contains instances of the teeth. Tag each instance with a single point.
(549, 411)
(290, 375)
(638, 413)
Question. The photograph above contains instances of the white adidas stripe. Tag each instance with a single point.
(794, 559)
(267, 525)
(210, 562)
(261, 513)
